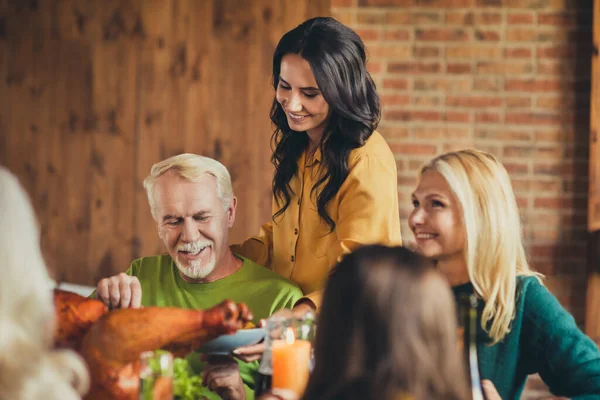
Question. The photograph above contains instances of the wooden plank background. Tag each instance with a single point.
(93, 92)
(594, 200)
(592, 319)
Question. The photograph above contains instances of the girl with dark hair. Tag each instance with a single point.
(386, 331)
(335, 183)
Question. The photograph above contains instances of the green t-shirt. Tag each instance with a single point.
(261, 289)
(544, 339)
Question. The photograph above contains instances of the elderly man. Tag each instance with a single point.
(192, 202)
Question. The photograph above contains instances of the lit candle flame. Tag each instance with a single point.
(290, 337)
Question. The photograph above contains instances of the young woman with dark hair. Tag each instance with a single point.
(335, 182)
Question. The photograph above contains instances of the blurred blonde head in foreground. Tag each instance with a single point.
(29, 368)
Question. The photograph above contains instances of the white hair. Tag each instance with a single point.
(29, 368)
(191, 167)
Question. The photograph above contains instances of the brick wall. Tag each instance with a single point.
(511, 77)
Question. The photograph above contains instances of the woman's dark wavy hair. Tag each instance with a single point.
(337, 58)
(387, 326)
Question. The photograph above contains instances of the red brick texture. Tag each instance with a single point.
(511, 77)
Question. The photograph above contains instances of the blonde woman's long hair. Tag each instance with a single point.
(494, 251)
(29, 368)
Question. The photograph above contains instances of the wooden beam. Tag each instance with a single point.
(594, 199)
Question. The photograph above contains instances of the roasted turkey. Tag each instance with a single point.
(113, 341)
(74, 316)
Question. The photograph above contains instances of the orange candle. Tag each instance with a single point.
(291, 360)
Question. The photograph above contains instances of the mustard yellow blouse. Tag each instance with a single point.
(298, 244)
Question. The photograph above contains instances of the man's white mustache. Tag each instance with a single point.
(193, 247)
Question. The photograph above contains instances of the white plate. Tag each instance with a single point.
(225, 344)
(81, 290)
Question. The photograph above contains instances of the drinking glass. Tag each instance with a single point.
(156, 375)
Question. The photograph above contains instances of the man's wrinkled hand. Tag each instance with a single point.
(255, 351)
(250, 353)
(120, 291)
(303, 308)
(221, 374)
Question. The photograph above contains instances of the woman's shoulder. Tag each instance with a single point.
(530, 290)
(374, 148)
(538, 304)
(532, 286)
(526, 282)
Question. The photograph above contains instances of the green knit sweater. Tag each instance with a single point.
(544, 339)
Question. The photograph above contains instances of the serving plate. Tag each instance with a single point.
(225, 344)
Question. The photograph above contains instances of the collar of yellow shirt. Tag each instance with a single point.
(310, 161)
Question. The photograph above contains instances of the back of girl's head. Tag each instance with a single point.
(337, 57)
(494, 252)
(28, 368)
(387, 326)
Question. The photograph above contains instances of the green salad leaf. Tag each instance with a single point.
(186, 384)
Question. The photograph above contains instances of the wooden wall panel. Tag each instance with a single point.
(92, 93)
(154, 135)
(592, 319)
(594, 200)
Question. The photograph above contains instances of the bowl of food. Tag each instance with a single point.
(225, 344)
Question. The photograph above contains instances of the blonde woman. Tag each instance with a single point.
(29, 368)
(466, 218)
